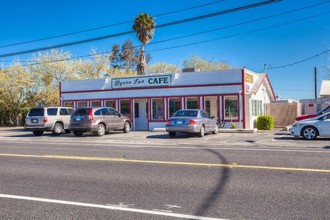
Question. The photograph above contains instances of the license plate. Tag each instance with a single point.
(179, 122)
(77, 119)
(34, 120)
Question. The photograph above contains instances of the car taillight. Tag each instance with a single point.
(168, 122)
(45, 119)
(192, 122)
(90, 115)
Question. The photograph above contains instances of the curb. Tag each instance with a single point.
(222, 130)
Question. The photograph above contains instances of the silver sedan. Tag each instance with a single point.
(309, 129)
(192, 121)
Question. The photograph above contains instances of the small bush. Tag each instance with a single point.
(233, 125)
(265, 122)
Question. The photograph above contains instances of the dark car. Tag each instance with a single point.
(192, 121)
(54, 119)
(98, 121)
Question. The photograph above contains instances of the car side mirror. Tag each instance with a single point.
(212, 117)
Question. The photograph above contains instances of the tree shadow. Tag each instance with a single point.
(250, 141)
(177, 136)
(215, 195)
(282, 133)
(287, 138)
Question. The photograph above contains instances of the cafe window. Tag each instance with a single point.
(68, 104)
(96, 103)
(208, 106)
(231, 107)
(256, 107)
(157, 109)
(82, 104)
(125, 108)
(110, 103)
(136, 110)
(173, 106)
(192, 103)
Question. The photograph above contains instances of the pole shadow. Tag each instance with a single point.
(215, 195)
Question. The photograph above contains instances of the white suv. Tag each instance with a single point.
(54, 119)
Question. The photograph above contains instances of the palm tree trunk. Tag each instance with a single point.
(141, 67)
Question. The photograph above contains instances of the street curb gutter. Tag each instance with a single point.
(223, 130)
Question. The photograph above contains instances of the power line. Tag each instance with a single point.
(219, 13)
(207, 41)
(295, 90)
(230, 26)
(239, 24)
(106, 26)
(225, 27)
(130, 32)
(235, 35)
(301, 61)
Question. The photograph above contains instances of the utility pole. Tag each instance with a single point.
(315, 86)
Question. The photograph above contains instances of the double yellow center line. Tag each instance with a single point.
(123, 160)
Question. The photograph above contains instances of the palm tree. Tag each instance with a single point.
(144, 26)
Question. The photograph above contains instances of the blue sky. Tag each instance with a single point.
(306, 34)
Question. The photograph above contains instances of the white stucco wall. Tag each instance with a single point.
(181, 79)
(263, 95)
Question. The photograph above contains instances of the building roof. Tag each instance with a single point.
(325, 88)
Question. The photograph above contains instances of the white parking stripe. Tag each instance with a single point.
(143, 211)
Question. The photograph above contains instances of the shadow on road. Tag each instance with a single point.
(177, 136)
(282, 133)
(215, 195)
(287, 138)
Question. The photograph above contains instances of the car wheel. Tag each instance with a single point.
(216, 129)
(309, 133)
(78, 133)
(126, 127)
(58, 129)
(172, 134)
(100, 130)
(201, 132)
(38, 133)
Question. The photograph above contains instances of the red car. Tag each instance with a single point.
(303, 117)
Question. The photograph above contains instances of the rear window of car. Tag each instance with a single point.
(70, 110)
(186, 114)
(64, 111)
(51, 111)
(36, 112)
(81, 111)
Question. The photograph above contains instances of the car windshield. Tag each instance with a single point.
(189, 113)
(325, 110)
(36, 112)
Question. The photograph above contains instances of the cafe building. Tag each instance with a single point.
(233, 96)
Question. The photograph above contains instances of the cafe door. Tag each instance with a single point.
(140, 115)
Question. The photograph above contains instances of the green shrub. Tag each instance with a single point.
(265, 122)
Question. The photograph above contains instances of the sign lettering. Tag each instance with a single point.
(143, 81)
(248, 78)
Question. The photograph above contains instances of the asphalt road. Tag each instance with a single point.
(147, 175)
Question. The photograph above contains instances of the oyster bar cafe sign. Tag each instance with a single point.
(143, 81)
